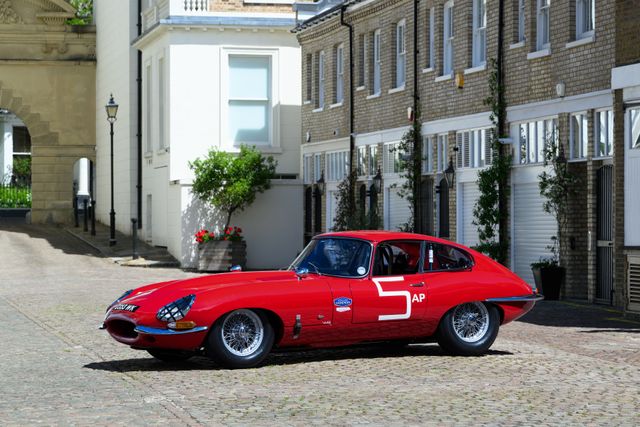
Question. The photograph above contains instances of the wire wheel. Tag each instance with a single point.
(242, 332)
(470, 321)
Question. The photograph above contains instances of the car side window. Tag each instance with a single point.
(439, 257)
(396, 258)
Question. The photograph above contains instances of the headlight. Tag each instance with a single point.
(176, 310)
(123, 296)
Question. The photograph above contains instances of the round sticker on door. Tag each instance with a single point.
(361, 270)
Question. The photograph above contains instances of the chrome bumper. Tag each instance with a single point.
(525, 298)
(156, 331)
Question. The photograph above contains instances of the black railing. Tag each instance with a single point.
(15, 196)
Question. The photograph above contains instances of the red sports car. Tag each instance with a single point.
(344, 288)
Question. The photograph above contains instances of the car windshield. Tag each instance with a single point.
(335, 257)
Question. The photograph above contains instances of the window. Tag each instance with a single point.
(397, 258)
(401, 54)
(521, 18)
(427, 154)
(431, 18)
(533, 138)
(375, 75)
(21, 141)
(604, 133)
(309, 65)
(392, 157)
(585, 18)
(320, 103)
(148, 116)
(361, 164)
(447, 52)
(339, 74)
(161, 103)
(307, 163)
(317, 167)
(335, 257)
(442, 152)
(249, 120)
(542, 17)
(479, 33)
(474, 148)
(362, 48)
(634, 124)
(338, 165)
(578, 136)
(372, 159)
(440, 257)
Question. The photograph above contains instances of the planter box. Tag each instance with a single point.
(221, 255)
(549, 280)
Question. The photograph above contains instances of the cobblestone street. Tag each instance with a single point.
(564, 363)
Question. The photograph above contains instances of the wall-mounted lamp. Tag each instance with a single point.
(321, 184)
(377, 183)
(560, 87)
(307, 136)
(410, 116)
(450, 173)
(459, 80)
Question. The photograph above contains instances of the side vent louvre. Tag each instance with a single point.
(633, 280)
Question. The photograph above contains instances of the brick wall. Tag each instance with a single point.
(247, 6)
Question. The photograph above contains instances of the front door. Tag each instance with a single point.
(604, 234)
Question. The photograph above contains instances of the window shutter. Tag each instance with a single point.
(488, 146)
(467, 149)
(460, 152)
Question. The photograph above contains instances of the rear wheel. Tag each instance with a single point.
(240, 339)
(170, 355)
(469, 329)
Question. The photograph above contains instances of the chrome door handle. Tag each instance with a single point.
(417, 285)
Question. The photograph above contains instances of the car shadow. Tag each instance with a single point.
(284, 358)
(572, 314)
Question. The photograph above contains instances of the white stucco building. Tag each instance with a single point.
(212, 76)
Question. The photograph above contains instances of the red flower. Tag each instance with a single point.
(239, 230)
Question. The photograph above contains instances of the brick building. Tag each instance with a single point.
(557, 65)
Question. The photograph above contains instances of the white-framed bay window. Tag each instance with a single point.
(585, 18)
(372, 159)
(427, 154)
(339, 74)
(401, 54)
(317, 167)
(533, 137)
(474, 148)
(392, 163)
(307, 168)
(479, 53)
(603, 132)
(578, 136)
(542, 24)
(376, 63)
(447, 51)
(249, 96)
(441, 152)
(337, 165)
(361, 160)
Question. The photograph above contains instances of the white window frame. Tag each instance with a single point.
(427, 154)
(521, 21)
(431, 63)
(542, 24)
(608, 133)
(376, 89)
(634, 138)
(339, 73)
(578, 137)
(448, 35)
(274, 101)
(442, 152)
(148, 111)
(361, 161)
(477, 146)
(585, 18)
(372, 161)
(162, 143)
(534, 152)
(391, 161)
(321, 79)
(479, 51)
(317, 167)
(337, 165)
(307, 164)
(401, 54)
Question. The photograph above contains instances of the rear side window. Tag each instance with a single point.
(439, 257)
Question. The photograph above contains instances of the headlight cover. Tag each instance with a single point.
(176, 310)
(123, 296)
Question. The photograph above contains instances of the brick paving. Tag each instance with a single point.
(565, 363)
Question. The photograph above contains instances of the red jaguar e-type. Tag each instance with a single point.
(344, 288)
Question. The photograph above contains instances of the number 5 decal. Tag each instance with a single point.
(383, 294)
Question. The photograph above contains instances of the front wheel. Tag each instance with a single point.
(469, 329)
(240, 339)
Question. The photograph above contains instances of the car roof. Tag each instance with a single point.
(382, 235)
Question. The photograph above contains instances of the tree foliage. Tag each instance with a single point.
(411, 167)
(351, 216)
(84, 12)
(230, 182)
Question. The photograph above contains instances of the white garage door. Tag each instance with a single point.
(468, 197)
(532, 229)
(397, 211)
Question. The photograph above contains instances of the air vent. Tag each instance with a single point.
(633, 281)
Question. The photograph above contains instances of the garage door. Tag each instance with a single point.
(468, 197)
(397, 211)
(532, 229)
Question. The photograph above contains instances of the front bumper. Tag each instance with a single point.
(167, 332)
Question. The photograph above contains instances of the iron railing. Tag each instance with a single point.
(15, 196)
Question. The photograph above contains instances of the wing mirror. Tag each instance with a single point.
(235, 268)
(302, 272)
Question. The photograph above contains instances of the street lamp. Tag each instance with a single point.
(112, 111)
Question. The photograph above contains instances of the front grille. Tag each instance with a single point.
(122, 328)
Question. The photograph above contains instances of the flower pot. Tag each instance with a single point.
(221, 255)
(549, 280)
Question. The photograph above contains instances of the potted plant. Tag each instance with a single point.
(229, 182)
(556, 186)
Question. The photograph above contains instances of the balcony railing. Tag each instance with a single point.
(162, 9)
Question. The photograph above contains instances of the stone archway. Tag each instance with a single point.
(47, 79)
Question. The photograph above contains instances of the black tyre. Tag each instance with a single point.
(240, 339)
(170, 355)
(469, 329)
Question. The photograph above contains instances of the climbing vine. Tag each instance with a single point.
(411, 167)
(490, 208)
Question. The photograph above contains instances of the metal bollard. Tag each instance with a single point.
(134, 237)
(93, 217)
(85, 215)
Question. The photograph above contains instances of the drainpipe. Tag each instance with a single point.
(352, 139)
(139, 124)
(503, 225)
(417, 152)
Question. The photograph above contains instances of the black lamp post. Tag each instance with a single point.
(112, 111)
